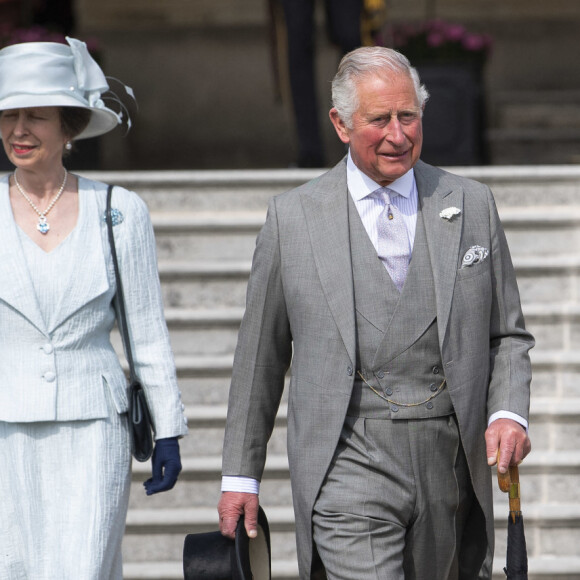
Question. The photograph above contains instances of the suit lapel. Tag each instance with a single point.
(16, 288)
(86, 281)
(325, 205)
(326, 214)
(87, 278)
(375, 295)
(436, 193)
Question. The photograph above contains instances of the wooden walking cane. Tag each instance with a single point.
(509, 482)
(516, 556)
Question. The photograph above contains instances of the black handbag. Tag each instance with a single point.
(141, 427)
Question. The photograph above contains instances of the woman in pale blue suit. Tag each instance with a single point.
(64, 447)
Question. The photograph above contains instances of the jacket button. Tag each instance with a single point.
(389, 391)
(435, 370)
(433, 387)
(48, 348)
(349, 371)
(394, 408)
(380, 374)
(49, 377)
(429, 405)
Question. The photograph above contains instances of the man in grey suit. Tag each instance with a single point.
(387, 285)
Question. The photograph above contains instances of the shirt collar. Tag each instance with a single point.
(361, 185)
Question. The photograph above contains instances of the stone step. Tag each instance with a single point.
(543, 278)
(541, 230)
(547, 111)
(540, 568)
(204, 285)
(552, 533)
(218, 236)
(550, 476)
(229, 236)
(555, 373)
(223, 284)
(542, 127)
(556, 145)
(214, 331)
(155, 570)
(555, 326)
(202, 191)
(203, 493)
(514, 186)
(542, 410)
(208, 236)
(209, 331)
(550, 518)
(205, 379)
(557, 481)
(555, 425)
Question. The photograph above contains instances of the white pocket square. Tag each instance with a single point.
(474, 255)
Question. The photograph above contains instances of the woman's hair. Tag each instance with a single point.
(367, 61)
(74, 120)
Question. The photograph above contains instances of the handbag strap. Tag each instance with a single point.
(120, 296)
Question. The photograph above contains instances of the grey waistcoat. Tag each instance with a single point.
(397, 345)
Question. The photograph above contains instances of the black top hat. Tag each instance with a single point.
(211, 556)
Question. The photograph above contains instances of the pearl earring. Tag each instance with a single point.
(68, 146)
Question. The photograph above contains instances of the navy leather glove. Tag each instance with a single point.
(166, 466)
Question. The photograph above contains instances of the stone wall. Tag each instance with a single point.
(112, 14)
(202, 73)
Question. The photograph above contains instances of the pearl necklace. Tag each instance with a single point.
(42, 225)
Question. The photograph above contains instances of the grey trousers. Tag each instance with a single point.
(394, 502)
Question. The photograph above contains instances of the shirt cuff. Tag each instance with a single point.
(508, 415)
(240, 483)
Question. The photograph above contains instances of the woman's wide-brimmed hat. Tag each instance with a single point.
(211, 556)
(51, 74)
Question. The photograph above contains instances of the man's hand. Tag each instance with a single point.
(512, 441)
(231, 506)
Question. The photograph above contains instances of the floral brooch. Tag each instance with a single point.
(116, 216)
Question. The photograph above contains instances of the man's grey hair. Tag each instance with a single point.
(364, 62)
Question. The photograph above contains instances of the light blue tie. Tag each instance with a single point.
(394, 249)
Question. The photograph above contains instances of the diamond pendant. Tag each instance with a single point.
(42, 226)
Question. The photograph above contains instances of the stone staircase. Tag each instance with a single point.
(206, 224)
(534, 126)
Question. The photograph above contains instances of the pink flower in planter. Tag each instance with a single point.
(455, 32)
(438, 40)
(435, 39)
(474, 42)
